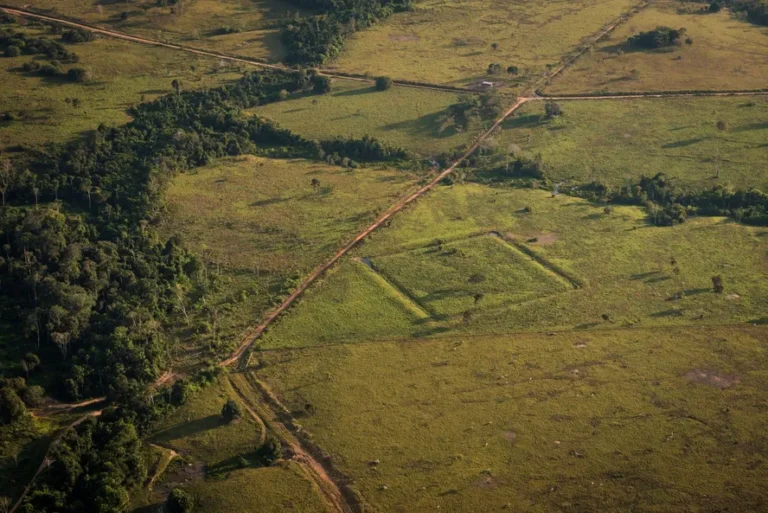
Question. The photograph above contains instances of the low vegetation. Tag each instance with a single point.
(725, 53)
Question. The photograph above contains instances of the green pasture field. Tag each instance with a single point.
(506, 276)
(278, 489)
(644, 420)
(727, 53)
(617, 141)
(259, 214)
(198, 431)
(451, 42)
(401, 116)
(198, 22)
(624, 271)
(124, 74)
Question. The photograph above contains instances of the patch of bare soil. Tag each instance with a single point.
(485, 482)
(712, 378)
(404, 38)
(510, 436)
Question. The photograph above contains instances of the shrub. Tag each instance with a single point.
(321, 84)
(660, 37)
(33, 396)
(494, 69)
(271, 451)
(77, 36)
(79, 75)
(383, 83)
(12, 51)
(31, 66)
(513, 70)
(179, 501)
(230, 411)
(715, 7)
(49, 70)
(553, 110)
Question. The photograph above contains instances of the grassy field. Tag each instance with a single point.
(508, 276)
(628, 272)
(283, 488)
(250, 213)
(198, 431)
(726, 53)
(451, 42)
(140, 73)
(403, 117)
(197, 23)
(659, 420)
(617, 141)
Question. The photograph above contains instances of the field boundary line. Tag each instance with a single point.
(400, 291)
(336, 496)
(254, 61)
(543, 262)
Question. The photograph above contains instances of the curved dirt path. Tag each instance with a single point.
(330, 491)
(162, 464)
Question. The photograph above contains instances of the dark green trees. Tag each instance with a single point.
(230, 411)
(383, 83)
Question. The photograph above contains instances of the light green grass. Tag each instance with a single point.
(534, 423)
(448, 279)
(250, 213)
(401, 116)
(727, 53)
(124, 74)
(352, 301)
(450, 42)
(617, 141)
(194, 25)
(198, 431)
(278, 489)
(622, 263)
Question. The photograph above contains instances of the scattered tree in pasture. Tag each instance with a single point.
(553, 110)
(717, 284)
(383, 83)
(179, 501)
(176, 85)
(231, 411)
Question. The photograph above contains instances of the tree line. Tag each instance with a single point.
(315, 38)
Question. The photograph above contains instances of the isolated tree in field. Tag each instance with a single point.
(513, 70)
(383, 83)
(494, 69)
(271, 451)
(176, 85)
(230, 411)
(715, 7)
(478, 297)
(553, 110)
(179, 501)
(321, 84)
(315, 184)
(717, 284)
(494, 46)
(467, 317)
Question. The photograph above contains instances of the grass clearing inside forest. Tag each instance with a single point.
(452, 42)
(616, 141)
(648, 419)
(401, 116)
(727, 53)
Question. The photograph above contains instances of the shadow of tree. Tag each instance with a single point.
(190, 428)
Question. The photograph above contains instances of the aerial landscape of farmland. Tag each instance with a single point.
(371, 256)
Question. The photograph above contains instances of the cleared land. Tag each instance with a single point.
(42, 114)
(253, 213)
(628, 273)
(727, 53)
(616, 141)
(283, 488)
(451, 42)
(644, 420)
(252, 25)
(401, 116)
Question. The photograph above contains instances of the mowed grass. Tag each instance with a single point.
(124, 74)
(196, 24)
(617, 141)
(727, 53)
(659, 420)
(250, 213)
(197, 429)
(450, 42)
(449, 279)
(628, 272)
(278, 489)
(401, 116)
